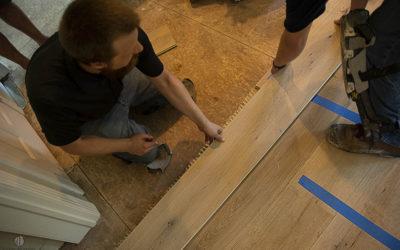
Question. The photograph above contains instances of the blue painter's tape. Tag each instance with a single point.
(350, 214)
(335, 108)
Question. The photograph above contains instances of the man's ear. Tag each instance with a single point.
(98, 65)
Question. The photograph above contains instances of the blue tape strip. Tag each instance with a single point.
(335, 108)
(350, 214)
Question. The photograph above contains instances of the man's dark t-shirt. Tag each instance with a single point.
(64, 96)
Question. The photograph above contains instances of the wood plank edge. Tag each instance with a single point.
(159, 53)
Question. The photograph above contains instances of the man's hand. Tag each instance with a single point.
(355, 4)
(140, 144)
(212, 131)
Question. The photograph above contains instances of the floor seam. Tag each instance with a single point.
(104, 198)
(215, 30)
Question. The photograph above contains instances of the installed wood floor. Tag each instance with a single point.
(270, 210)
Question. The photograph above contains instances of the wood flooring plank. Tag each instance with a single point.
(294, 221)
(243, 220)
(162, 40)
(366, 183)
(297, 218)
(376, 197)
(190, 203)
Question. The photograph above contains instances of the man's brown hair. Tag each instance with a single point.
(89, 27)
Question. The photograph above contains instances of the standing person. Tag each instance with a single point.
(299, 17)
(11, 14)
(384, 92)
(83, 80)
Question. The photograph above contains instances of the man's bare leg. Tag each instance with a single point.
(14, 16)
(290, 47)
(10, 52)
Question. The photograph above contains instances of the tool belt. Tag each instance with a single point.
(356, 36)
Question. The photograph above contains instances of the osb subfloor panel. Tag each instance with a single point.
(270, 210)
(225, 48)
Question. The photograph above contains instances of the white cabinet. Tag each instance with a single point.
(36, 196)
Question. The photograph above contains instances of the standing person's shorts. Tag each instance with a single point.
(300, 13)
(4, 2)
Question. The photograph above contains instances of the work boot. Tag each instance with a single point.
(162, 161)
(160, 101)
(351, 138)
(189, 85)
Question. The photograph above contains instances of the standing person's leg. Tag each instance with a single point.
(385, 92)
(116, 124)
(14, 16)
(290, 47)
(10, 52)
(299, 17)
(6, 48)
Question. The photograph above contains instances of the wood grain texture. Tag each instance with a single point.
(191, 202)
(298, 220)
(369, 185)
(250, 219)
(270, 210)
(162, 40)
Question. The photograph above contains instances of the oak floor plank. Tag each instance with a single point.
(376, 197)
(162, 40)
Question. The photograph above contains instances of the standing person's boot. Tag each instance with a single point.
(351, 138)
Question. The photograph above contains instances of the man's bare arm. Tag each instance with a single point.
(175, 92)
(138, 144)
